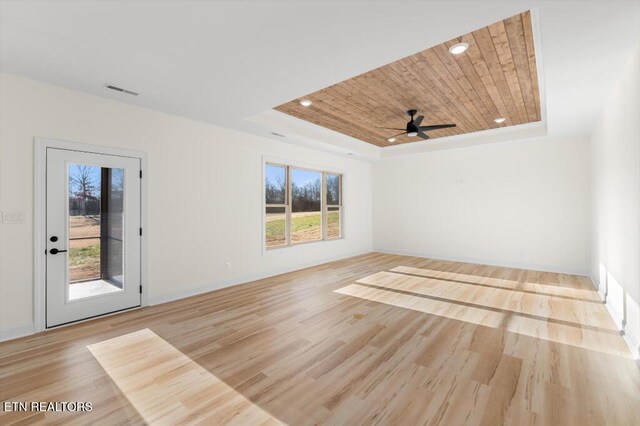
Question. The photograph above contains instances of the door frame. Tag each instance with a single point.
(40, 216)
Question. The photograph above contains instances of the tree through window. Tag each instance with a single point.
(301, 205)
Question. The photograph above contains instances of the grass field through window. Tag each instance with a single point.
(84, 261)
(84, 254)
(305, 226)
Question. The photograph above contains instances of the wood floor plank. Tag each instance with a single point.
(373, 339)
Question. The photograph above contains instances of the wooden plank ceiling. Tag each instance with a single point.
(495, 77)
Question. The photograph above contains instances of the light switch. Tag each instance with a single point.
(14, 218)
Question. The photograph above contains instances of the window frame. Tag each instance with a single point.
(324, 207)
(286, 205)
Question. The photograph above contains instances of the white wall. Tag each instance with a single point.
(615, 260)
(522, 203)
(204, 193)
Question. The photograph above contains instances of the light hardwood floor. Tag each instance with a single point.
(374, 339)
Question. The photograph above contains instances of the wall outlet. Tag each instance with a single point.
(14, 218)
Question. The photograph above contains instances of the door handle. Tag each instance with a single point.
(56, 251)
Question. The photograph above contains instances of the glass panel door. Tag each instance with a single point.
(93, 240)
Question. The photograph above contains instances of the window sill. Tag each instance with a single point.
(303, 243)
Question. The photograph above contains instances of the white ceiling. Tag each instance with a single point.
(223, 62)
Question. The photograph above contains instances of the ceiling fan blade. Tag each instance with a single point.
(418, 120)
(399, 134)
(423, 135)
(390, 128)
(436, 127)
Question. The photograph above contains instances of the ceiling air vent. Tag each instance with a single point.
(120, 89)
(277, 134)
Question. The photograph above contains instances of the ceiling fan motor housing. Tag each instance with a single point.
(412, 128)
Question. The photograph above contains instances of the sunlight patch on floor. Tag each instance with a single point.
(435, 307)
(167, 387)
(580, 324)
(488, 297)
(551, 289)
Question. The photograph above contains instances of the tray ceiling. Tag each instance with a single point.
(495, 77)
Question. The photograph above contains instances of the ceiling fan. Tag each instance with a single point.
(415, 129)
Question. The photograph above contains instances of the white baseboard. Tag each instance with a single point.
(618, 318)
(627, 334)
(156, 300)
(602, 291)
(531, 266)
(634, 344)
(14, 332)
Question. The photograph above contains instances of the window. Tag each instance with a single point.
(301, 205)
(333, 185)
(275, 192)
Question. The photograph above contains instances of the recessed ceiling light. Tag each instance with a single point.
(391, 140)
(500, 120)
(305, 102)
(458, 48)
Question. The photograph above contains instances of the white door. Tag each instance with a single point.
(93, 235)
